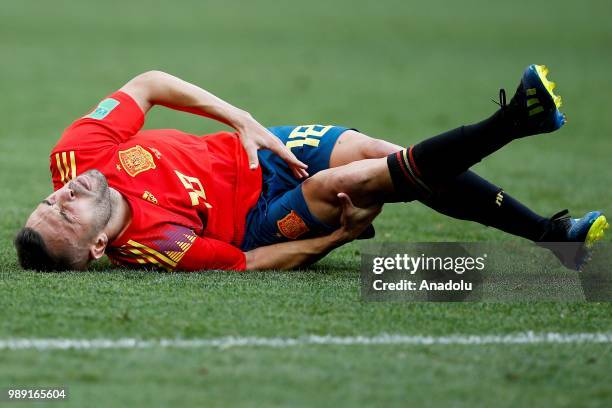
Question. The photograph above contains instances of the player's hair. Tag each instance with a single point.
(33, 253)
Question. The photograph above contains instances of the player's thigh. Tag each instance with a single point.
(352, 145)
(367, 182)
(287, 217)
(322, 147)
(311, 144)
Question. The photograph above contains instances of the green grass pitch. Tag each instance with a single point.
(393, 69)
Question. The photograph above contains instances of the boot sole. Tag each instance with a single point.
(597, 231)
(541, 97)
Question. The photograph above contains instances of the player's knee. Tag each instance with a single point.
(317, 188)
(328, 183)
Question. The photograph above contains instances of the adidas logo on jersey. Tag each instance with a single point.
(149, 197)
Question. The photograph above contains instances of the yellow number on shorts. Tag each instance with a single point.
(307, 135)
(194, 187)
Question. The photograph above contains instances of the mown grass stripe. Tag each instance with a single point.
(225, 342)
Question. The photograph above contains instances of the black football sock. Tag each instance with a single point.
(470, 197)
(407, 184)
(454, 152)
(417, 171)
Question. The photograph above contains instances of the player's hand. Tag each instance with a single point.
(354, 220)
(254, 136)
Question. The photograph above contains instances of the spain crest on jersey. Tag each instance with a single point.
(135, 160)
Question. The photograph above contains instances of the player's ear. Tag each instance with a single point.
(96, 250)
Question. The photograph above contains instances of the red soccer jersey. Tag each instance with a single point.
(189, 195)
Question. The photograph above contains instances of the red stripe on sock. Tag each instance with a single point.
(402, 165)
(413, 163)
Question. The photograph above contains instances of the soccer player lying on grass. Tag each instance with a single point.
(164, 198)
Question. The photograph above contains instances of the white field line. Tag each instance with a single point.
(278, 342)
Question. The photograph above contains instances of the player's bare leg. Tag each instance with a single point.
(353, 146)
(355, 173)
(435, 173)
(368, 182)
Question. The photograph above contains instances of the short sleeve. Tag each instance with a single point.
(208, 253)
(178, 248)
(67, 165)
(114, 120)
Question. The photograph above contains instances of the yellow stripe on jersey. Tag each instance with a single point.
(175, 255)
(66, 168)
(59, 167)
(168, 259)
(153, 252)
(143, 258)
(73, 164)
(140, 257)
(66, 165)
(132, 254)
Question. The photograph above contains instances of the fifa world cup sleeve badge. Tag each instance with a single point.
(292, 226)
(135, 160)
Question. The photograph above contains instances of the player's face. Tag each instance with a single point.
(71, 219)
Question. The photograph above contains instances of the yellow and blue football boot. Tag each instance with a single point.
(534, 108)
(572, 239)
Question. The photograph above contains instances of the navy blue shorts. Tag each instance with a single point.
(281, 213)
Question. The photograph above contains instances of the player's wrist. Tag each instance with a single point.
(339, 237)
(241, 120)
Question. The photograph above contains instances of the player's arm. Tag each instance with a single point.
(159, 88)
(293, 254)
(208, 253)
